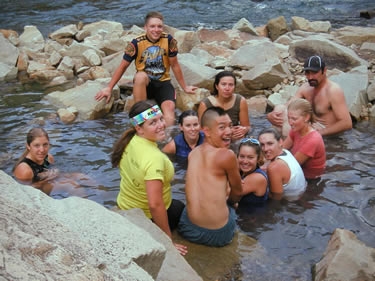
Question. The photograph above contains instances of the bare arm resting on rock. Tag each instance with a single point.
(107, 91)
(179, 76)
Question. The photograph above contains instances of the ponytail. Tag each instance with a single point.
(120, 145)
(123, 141)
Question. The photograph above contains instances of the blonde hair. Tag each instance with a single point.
(304, 106)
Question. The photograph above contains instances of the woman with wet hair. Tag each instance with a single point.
(305, 143)
(284, 172)
(33, 167)
(254, 180)
(190, 137)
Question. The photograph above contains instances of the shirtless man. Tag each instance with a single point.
(212, 178)
(331, 113)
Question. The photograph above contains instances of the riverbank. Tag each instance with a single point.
(83, 57)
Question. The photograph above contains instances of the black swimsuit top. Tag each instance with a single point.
(36, 168)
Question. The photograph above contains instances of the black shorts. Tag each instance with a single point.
(174, 213)
(160, 91)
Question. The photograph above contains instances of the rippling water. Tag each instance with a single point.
(48, 16)
(292, 234)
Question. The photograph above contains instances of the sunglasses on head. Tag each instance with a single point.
(251, 140)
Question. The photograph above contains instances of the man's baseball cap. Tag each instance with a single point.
(314, 63)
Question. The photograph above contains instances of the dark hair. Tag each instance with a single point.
(30, 137)
(210, 114)
(123, 141)
(272, 131)
(257, 148)
(185, 114)
(153, 14)
(218, 77)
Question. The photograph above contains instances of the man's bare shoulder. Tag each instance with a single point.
(334, 89)
(304, 90)
(196, 152)
(205, 150)
(225, 152)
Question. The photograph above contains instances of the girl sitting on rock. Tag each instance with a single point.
(145, 171)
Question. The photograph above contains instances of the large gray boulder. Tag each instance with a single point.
(186, 40)
(254, 54)
(9, 53)
(277, 27)
(262, 69)
(345, 259)
(357, 35)
(7, 72)
(120, 249)
(195, 73)
(76, 239)
(299, 23)
(35, 247)
(354, 84)
(83, 98)
(76, 49)
(335, 55)
(245, 26)
(8, 59)
(65, 32)
(104, 28)
(173, 263)
(32, 39)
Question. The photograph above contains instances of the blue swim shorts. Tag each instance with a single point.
(209, 237)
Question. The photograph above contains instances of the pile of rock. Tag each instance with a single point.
(267, 61)
(77, 239)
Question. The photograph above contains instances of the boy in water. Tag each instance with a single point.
(212, 178)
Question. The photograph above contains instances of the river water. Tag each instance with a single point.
(293, 234)
(48, 16)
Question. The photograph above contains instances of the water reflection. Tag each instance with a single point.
(291, 236)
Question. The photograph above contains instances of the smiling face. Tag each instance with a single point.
(226, 86)
(247, 158)
(271, 147)
(190, 127)
(297, 121)
(152, 129)
(219, 132)
(38, 149)
(154, 29)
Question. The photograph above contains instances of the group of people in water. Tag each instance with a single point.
(218, 177)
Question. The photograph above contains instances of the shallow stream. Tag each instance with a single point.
(292, 235)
